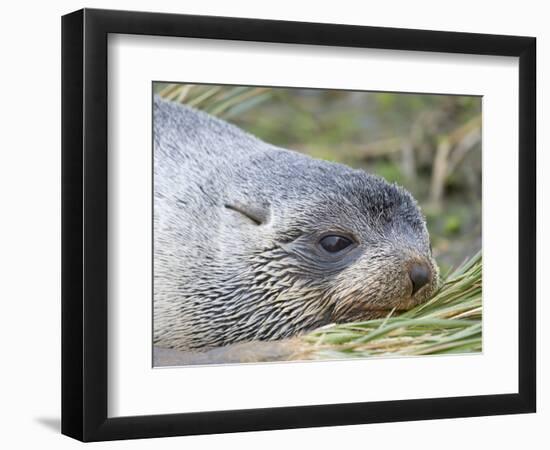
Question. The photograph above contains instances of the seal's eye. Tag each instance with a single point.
(334, 243)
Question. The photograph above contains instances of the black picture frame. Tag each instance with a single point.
(84, 224)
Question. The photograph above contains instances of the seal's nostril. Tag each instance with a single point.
(420, 276)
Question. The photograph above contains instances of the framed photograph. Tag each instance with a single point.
(273, 224)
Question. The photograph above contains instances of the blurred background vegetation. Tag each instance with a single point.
(430, 144)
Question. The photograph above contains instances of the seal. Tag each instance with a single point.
(254, 242)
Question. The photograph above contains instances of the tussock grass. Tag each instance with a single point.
(448, 323)
(224, 103)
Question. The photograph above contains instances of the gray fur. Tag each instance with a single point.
(236, 227)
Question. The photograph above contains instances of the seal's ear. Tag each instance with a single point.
(258, 213)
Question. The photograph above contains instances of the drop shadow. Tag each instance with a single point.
(52, 423)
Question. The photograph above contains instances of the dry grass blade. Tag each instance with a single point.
(216, 100)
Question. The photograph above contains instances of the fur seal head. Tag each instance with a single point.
(262, 243)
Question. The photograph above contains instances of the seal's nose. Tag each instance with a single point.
(420, 275)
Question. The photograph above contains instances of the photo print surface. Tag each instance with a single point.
(308, 224)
